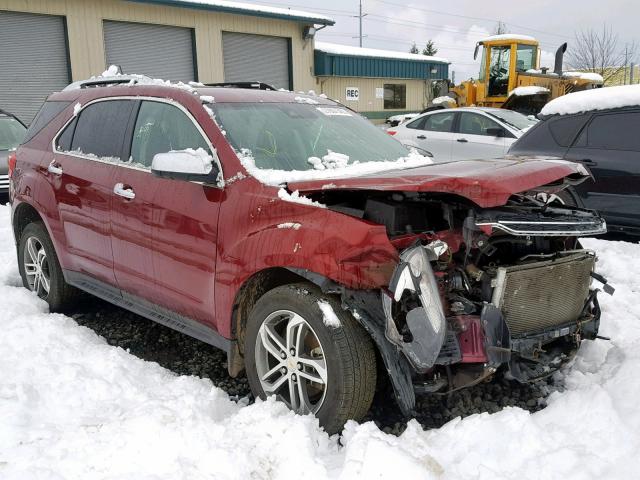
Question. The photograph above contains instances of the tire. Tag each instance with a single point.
(35, 241)
(342, 347)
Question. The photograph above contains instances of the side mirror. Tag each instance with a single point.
(189, 165)
(495, 132)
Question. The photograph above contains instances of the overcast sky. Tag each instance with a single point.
(456, 26)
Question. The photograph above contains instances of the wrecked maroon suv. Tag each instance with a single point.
(313, 248)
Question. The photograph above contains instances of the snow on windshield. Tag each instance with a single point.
(337, 169)
(595, 99)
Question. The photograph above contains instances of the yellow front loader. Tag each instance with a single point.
(509, 62)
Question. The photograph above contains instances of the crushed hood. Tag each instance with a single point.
(487, 183)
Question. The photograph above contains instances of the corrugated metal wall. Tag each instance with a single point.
(352, 66)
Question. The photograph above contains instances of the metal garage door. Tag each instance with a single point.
(158, 51)
(250, 58)
(33, 61)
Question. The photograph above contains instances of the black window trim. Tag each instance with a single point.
(129, 131)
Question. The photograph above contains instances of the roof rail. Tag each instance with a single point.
(106, 82)
(253, 85)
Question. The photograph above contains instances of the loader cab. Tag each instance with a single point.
(503, 57)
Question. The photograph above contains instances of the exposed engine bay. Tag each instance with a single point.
(481, 290)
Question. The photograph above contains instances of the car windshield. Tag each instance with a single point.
(304, 136)
(514, 119)
(11, 133)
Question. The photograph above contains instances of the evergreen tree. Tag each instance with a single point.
(430, 49)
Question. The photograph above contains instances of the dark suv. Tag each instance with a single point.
(607, 142)
(309, 245)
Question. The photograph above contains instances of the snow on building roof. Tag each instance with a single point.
(246, 9)
(335, 49)
(507, 36)
(528, 90)
(595, 99)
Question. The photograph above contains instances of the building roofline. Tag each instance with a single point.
(237, 8)
(373, 53)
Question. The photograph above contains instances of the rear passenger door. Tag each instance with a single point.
(435, 135)
(473, 139)
(165, 231)
(610, 147)
(81, 177)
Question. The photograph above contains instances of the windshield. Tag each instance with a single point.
(514, 119)
(11, 133)
(304, 136)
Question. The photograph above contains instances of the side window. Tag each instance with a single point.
(474, 124)
(161, 128)
(101, 128)
(439, 122)
(416, 124)
(564, 129)
(614, 131)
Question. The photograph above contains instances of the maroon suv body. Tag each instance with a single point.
(450, 267)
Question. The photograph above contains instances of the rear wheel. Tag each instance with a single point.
(40, 269)
(311, 360)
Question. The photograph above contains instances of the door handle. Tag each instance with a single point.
(125, 192)
(589, 162)
(421, 137)
(462, 140)
(54, 168)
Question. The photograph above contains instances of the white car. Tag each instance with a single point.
(463, 133)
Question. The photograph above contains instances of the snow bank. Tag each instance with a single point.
(595, 99)
(71, 406)
(529, 90)
(279, 177)
(336, 49)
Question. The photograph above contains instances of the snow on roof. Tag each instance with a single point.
(529, 90)
(336, 49)
(507, 36)
(595, 99)
(246, 9)
(594, 77)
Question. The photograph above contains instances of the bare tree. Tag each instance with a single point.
(414, 48)
(599, 51)
(500, 28)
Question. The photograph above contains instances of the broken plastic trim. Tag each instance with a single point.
(426, 323)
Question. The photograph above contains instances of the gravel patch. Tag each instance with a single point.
(187, 356)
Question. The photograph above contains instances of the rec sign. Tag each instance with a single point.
(352, 94)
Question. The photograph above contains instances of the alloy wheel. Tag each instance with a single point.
(36, 267)
(290, 362)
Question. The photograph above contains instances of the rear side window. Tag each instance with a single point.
(161, 128)
(614, 131)
(101, 128)
(564, 129)
(439, 122)
(48, 112)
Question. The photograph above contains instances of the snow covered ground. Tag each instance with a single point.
(71, 406)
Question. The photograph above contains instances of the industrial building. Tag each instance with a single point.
(47, 44)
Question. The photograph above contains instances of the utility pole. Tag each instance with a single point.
(626, 59)
(360, 16)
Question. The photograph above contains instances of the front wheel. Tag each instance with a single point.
(304, 349)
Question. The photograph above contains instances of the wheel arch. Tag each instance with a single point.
(24, 214)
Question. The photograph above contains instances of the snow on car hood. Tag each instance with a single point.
(488, 183)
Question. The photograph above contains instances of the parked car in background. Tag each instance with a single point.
(12, 133)
(463, 133)
(293, 234)
(601, 130)
(395, 120)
